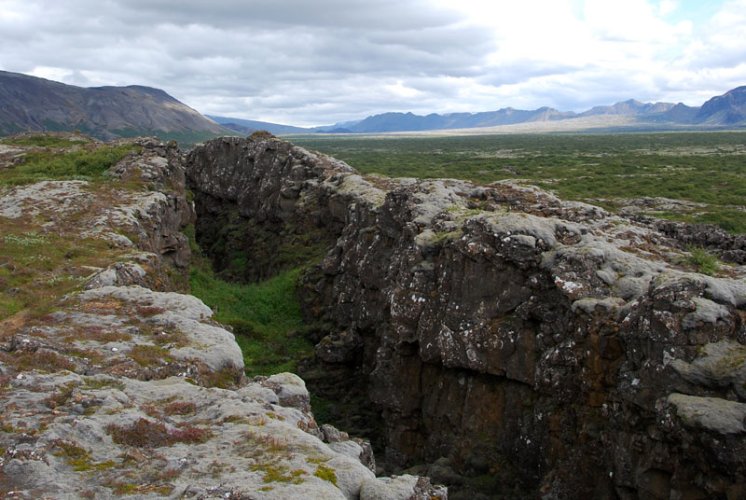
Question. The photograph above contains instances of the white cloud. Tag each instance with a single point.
(317, 62)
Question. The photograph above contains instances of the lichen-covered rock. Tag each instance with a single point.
(523, 338)
(105, 436)
(404, 487)
(124, 387)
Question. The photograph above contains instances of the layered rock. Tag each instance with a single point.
(124, 387)
(552, 346)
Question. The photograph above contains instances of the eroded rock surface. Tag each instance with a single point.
(550, 347)
(125, 387)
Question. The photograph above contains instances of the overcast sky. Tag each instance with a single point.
(312, 62)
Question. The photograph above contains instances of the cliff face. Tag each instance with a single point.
(117, 385)
(501, 332)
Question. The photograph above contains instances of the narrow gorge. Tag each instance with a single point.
(496, 335)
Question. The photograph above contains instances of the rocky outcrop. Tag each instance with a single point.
(549, 348)
(124, 387)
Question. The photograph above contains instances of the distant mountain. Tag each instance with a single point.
(631, 107)
(680, 113)
(399, 122)
(28, 103)
(727, 109)
(247, 127)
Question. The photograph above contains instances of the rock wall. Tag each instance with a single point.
(548, 347)
(124, 387)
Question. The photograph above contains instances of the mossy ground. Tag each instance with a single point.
(37, 268)
(59, 159)
(44, 257)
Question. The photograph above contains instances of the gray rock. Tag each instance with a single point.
(715, 414)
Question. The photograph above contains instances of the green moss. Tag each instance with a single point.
(79, 458)
(225, 378)
(443, 236)
(326, 473)
(37, 268)
(277, 473)
(44, 361)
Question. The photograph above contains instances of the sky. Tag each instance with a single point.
(315, 62)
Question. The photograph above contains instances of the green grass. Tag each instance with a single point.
(80, 163)
(43, 140)
(266, 317)
(36, 268)
(703, 261)
(703, 167)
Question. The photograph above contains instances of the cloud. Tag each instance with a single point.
(302, 62)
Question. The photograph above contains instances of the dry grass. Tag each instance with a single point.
(150, 434)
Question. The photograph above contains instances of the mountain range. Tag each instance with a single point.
(725, 111)
(728, 110)
(29, 103)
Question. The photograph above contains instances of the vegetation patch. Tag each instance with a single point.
(149, 355)
(266, 317)
(225, 378)
(326, 473)
(79, 458)
(45, 140)
(702, 261)
(41, 360)
(88, 162)
(180, 408)
(37, 268)
(60, 396)
(277, 473)
(149, 434)
(91, 383)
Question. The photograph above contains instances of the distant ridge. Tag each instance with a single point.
(246, 127)
(725, 111)
(728, 110)
(29, 103)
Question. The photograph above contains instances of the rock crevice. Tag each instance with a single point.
(504, 333)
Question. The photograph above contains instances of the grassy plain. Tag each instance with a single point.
(605, 169)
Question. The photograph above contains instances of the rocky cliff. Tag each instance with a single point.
(113, 384)
(542, 347)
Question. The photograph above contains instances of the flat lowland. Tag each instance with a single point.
(690, 176)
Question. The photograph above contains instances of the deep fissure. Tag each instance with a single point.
(509, 342)
(244, 251)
